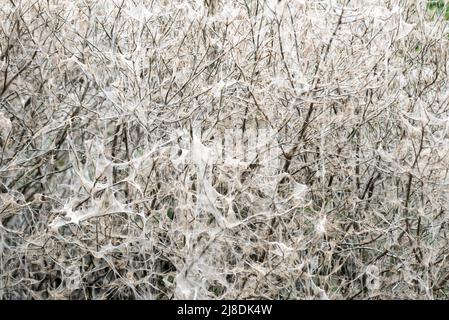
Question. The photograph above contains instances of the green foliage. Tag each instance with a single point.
(171, 213)
(439, 7)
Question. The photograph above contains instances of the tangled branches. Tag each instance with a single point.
(223, 149)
